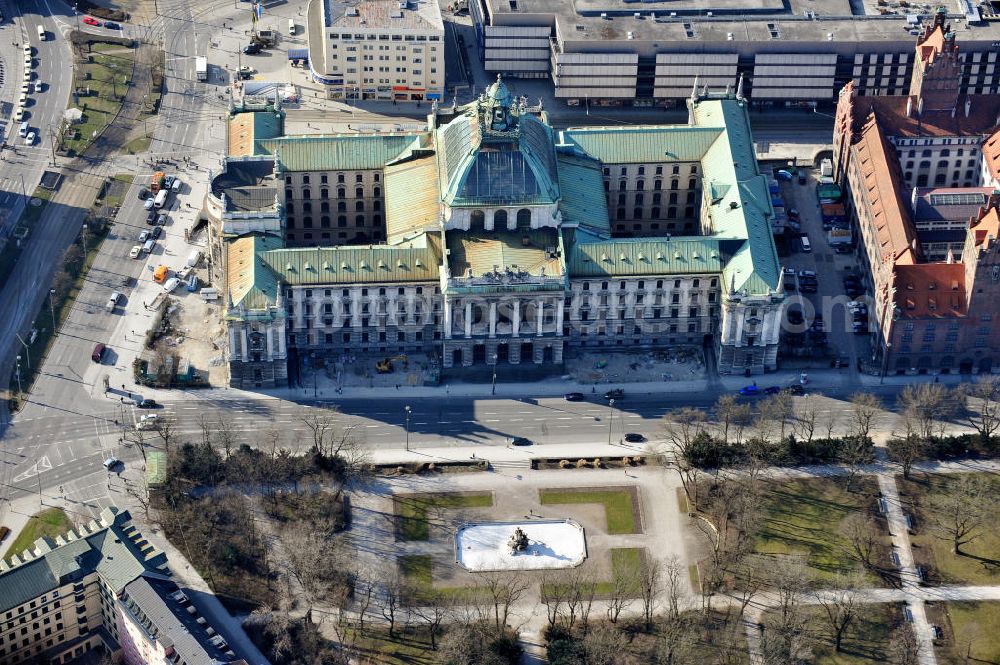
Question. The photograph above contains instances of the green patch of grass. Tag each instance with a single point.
(118, 188)
(980, 562)
(409, 647)
(49, 522)
(414, 511)
(974, 630)
(618, 507)
(865, 641)
(625, 561)
(804, 518)
(418, 571)
(140, 144)
(106, 75)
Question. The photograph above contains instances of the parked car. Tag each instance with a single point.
(161, 219)
(148, 421)
(171, 284)
(98, 354)
(146, 404)
(157, 231)
(796, 389)
(633, 437)
(614, 393)
(148, 205)
(30, 138)
(135, 252)
(143, 194)
(112, 463)
(749, 391)
(520, 441)
(772, 390)
(251, 49)
(783, 175)
(111, 25)
(807, 273)
(144, 236)
(574, 397)
(90, 20)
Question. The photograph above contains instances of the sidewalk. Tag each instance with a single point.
(507, 456)
(326, 389)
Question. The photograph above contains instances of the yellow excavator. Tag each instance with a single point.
(384, 366)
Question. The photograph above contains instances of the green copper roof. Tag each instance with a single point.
(582, 188)
(625, 257)
(642, 145)
(479, 166)
(738, 203)
(373, 264)
(252, 285)
(342, 152)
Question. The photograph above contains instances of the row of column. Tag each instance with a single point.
(515, 321)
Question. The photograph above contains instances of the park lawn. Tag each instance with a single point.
(109, 70)
(865, 641)
(418, 571)
(49, 522)
(413, 522)
(618, 508)
(409, 647)
(622, 559)
(974, 630)
(803, 518)
(980, 562)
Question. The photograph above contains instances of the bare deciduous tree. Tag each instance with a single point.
(605, 645)
(786, 637)
(807, 418)
(650, 587)
(681, 428)
(502, 591)
(983, 408)
(864, 409)
(907, 450)
(841, 606)
(580, 597)
(673, 585)
(433, 608)
(924, 406)
(961, 511)
(904, 649)
(863, 535)
(389, 597)
(779, 408)
(624, 586)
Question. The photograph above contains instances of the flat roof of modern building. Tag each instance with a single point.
(391, 15)
(698, 21)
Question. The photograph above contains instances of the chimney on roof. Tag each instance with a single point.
(909, 107)
(968, 106)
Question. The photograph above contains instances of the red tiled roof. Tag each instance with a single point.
(891, 113)
(991, 154)
(931, 290)
(986, 224)
(879, 169)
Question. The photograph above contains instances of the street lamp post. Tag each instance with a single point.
(83, 240)
(493, 388)
(611, 417)
(52, 308)
(19, 390)
(407, 409)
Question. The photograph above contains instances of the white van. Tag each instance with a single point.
(193, 258)
(291, 27)
(147, 247)
(41, 34)
(161, 198)
(175, 186)
(806, 246)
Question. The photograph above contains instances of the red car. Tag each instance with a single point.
(90, 20)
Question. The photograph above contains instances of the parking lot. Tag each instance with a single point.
(820, 322)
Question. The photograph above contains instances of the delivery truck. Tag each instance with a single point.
(161, 198)
(201, 67)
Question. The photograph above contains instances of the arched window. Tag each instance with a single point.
(692, 183)
(307, 207)
(657, 184)
(324, 206)
(673, 184)
(500, 220)
(341, 193)
(289, 195)
(341, 206)
(289, 208)
(359, 206)
(637, 213)
(655, 213)
(671, 213)
(359, 220)
(621, 185)
(341, 220)
(640, 185)
(477, 221)
(324, 221)
(376, 205)
(377, 191)
(324, 193)
(523, 218)
(305, 193)
(359, 192)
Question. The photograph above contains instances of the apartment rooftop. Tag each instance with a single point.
(698, 21)
(388, 15)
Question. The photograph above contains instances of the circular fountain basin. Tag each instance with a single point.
(485, 546)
